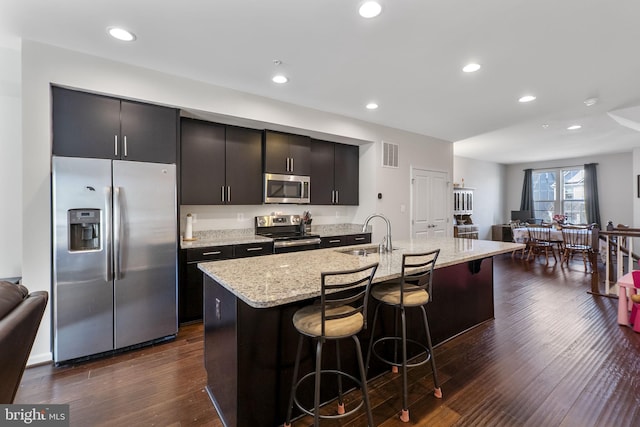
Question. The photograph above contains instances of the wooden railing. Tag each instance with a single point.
(619, 243)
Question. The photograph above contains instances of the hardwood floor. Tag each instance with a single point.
(553, 356)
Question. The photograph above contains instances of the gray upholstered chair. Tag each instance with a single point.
(20, 316)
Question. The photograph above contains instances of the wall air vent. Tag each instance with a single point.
(389, 155)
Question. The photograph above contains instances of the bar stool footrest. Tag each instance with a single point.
(398, 364)
(341, 412)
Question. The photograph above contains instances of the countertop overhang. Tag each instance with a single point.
(273, 280)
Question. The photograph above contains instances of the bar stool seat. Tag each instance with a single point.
(308, 321)
(390, 294)
(340, 313)
(413, 290)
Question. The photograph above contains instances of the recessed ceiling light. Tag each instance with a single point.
(280, 79)
(121, 34)
(590, 102)
(574, 127)
(370, 9)
(372, 106)
(527, 98)
(545, 126)
(471, 68)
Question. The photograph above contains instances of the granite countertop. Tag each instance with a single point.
(269, 281)
(240, 239)
(247, 235)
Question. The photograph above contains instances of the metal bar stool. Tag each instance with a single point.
(413, 290)
(341, 313)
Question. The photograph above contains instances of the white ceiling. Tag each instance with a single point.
(408, 60)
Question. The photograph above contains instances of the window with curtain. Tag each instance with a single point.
(559, 192)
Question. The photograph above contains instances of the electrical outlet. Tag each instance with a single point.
(240, 216)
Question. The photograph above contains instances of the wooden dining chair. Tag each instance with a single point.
(576, 239)
(540, 242)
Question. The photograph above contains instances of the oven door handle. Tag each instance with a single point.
(299, 242)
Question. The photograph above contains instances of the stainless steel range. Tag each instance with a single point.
(288, 233)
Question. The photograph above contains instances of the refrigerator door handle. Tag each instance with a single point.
(108, 249)
(117, 230)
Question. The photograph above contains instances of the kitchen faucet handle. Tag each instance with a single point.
(383, 245)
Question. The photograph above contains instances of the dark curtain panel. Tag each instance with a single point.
(591, 203)
(526, 202)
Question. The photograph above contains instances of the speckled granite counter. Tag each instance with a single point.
(280, 279)
(241, 236)
(330, 230)
(223, 238)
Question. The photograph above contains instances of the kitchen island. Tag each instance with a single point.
(249, 303)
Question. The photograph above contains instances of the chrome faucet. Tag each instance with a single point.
(387, 247)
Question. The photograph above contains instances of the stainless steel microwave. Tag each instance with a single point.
(286, 188)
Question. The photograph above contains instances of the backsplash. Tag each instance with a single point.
(236, 217)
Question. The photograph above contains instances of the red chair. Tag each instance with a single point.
(636, 302)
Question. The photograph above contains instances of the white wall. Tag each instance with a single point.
(10, 164)
(616, 185)
(43, 65)
(488, 180)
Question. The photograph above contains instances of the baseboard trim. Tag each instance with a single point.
(39, 359)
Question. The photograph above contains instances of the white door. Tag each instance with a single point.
(429, 204)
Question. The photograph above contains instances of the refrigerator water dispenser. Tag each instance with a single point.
(84, 229)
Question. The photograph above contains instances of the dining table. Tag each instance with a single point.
(521, 235)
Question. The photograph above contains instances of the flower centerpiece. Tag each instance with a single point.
(559, 219)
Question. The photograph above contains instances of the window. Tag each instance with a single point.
(559, 191)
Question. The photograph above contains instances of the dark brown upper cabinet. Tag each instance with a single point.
(287, 154)
(220, 164)
(96, 126)
(334, 173)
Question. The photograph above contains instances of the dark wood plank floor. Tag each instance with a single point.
(553, 356)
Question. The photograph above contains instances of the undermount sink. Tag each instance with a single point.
(362, 251)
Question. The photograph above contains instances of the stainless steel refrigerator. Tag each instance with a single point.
(114, 254)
